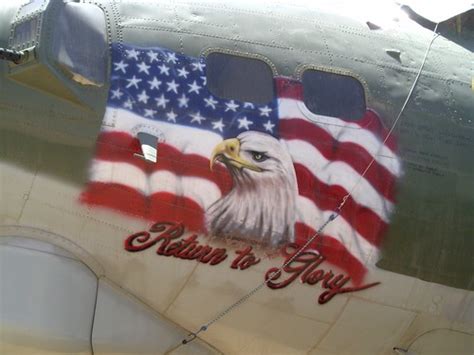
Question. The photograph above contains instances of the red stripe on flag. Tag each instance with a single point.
(165, 206)
(327, 197)
(333, 250)
(116, 197)
(289, 88)
(120, 147)
(161, 206)
(373, 123)
(171, 159)
(350, 153)
(293, 89)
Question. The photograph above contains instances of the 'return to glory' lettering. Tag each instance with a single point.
(186, 248)
(303, 265)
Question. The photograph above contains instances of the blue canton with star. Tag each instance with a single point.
(162, 85)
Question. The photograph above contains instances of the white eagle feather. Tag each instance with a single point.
(261, 206)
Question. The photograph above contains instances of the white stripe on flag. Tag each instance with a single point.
(185, 186)
(160, 181)
(119, 173)
(344, 131)
(188, 140)
(340, 229)
(342, 174)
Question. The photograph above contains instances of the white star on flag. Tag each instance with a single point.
(198, 66)
(197, 117)
(116, 94)
(244, 122)
(231, 106)
(143, 97)
(171, 116)
(143, 68)
(149, 113)
(128, 104)
(121, 66)
(164, 69)
(161, 101)
(269, 126)
(265, 111)
(154, 84)
(194, 87)
(218, 125)
(210, 102)
(132, 53)
(183, 73)
(172, 58)
(183, 101)
(133, 82)
(172, 86)
(153, 56)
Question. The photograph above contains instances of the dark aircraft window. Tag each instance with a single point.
(239, 78)
(80, 43)
(334, 95)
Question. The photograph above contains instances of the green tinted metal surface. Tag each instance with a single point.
(432, 231)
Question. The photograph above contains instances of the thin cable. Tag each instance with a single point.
(244, 298)
(405, 103)
(332, 217)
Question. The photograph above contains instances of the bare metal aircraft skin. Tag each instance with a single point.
(164, 161)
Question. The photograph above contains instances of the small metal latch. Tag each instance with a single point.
(373, 26)
(149, 136)
(394, 53)
(149, 146)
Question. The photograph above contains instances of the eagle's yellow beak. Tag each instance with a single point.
(228, 152)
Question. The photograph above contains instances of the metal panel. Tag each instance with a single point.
(47, 299)
(124, 325)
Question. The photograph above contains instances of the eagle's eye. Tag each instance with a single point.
(259, 157)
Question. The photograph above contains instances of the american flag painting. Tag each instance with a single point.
(268, 174)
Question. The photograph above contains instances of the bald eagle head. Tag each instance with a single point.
(261, 205)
